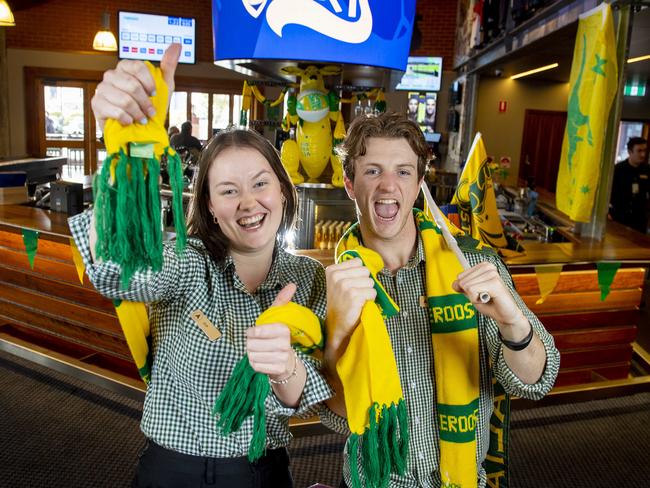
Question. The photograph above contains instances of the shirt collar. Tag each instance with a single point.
(277, 277)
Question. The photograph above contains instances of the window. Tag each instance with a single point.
(208, 109)
(60, 119)
(61, 122)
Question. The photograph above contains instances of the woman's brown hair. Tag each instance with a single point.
(200, 222)
(388, 125)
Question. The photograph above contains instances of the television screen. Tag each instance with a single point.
(146, 36)
(371, 33)
(422, 74)
(422, 110)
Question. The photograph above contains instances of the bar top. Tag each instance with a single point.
(46, 222)
(620, 243)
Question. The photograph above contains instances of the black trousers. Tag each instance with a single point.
(162, 468)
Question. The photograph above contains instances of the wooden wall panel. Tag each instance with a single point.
(69, 331)
(580, 281)
(74, 293)
(584, 301)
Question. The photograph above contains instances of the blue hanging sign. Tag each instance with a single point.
(365, 32)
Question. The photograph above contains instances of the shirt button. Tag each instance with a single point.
(399, 280)
(421, 456)
(409, 349)
(405, 314)
(413, 385)
(417, 420)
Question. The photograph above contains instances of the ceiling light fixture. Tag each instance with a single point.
(6, 17)
(533, 71)
(639, 58)
(104, 39)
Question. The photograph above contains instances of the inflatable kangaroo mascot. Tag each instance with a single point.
(313, 109)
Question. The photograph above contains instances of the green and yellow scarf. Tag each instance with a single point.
(370, 378)
(246, 390)
(127, 193)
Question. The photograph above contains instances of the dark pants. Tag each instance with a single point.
(162, 468)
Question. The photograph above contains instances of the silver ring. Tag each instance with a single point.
(484, 297)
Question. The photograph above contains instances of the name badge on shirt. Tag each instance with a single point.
(208, 328)
(635, 188)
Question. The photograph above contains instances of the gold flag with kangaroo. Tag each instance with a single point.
(475, 199)
(593, 83)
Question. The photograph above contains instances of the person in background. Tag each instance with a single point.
(385, 160)
(185, 138)
(233, 268)
(630, 200)
(413, 107)
(429, 119)
(173, 130)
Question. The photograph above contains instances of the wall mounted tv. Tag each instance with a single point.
(370, 33)
(146, 36)
(422, 74)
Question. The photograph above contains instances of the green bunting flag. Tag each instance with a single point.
(30, 239)
(606, 274)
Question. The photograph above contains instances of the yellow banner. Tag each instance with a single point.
(594, 79)
(477, 206)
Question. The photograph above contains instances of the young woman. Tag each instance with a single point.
(232, 270)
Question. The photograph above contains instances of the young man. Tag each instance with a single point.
(384, 161)
(630, 201)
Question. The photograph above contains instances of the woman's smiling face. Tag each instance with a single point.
(246, 199)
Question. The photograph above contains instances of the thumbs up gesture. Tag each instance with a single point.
(269, 345)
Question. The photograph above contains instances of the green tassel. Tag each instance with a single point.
(383, 452)
(402, 420)
(244, 395)
(353, 460)
(369, 448)
(398, 463)
(153, 209)
(174, 166)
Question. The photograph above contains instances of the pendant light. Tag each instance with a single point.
(6, 17)
(104, 39)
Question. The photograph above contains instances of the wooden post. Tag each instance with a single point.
(5, 129)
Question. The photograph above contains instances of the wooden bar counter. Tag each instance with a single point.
(48, 307)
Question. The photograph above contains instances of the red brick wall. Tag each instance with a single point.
(438, 27)
(67, 25)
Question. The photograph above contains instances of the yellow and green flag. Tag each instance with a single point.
(594, 79)
(475, 199)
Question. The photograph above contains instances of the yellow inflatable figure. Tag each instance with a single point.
(313, 108)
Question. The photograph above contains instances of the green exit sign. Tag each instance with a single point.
(634, 89)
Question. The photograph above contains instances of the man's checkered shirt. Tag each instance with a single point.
(410, 336)
(189, 371)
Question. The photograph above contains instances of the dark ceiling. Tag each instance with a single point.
(558, 48)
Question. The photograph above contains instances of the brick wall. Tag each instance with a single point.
(67, 25)
(438, 26)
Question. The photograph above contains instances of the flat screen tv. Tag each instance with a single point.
(146, 36)
(423, 73)
(370, 33)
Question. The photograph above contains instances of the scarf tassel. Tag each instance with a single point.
(244, 395)
(127, 212)
(383, 446)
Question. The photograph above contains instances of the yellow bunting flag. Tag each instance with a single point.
(547, 277)
(593, 84)
(78, 261)
(135, 325)
(477, 206)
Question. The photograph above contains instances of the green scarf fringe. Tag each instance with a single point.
(383, 445)
(127, 212)
(244, 395)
